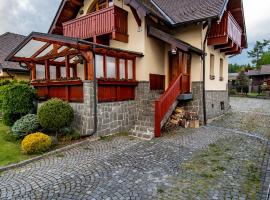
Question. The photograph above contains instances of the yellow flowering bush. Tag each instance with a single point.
(36, 143)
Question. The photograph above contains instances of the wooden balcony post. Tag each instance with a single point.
(47, 70)
(75, 72)
(67, 64)
(58, 72)
(33, 72)
(89, 65)
(85, 71)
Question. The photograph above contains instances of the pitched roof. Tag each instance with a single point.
(190, 10)
(265, 70)
(8, 42)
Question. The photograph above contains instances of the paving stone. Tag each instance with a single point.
(135, 169)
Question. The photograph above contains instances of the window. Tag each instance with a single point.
(122, 69)
(99, 66)
(111, 67)
(130, 69)
(40, 72)
(52, 72)
(212, 67)
(221, 70)
(101, 4)
(63, 72)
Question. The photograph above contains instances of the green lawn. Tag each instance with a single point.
(10, 151)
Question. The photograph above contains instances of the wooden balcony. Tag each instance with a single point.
(226, 35)
(112, 21)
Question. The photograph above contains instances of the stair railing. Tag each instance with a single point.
(163, 104)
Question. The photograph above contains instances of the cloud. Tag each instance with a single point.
(25, 16)
(257, 17)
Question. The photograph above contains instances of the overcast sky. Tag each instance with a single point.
(25, 16)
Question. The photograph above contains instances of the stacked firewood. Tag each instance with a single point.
(182, 118)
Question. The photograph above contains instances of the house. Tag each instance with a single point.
(232, 80)
(125, 64)
(11, 70)
(259, 77)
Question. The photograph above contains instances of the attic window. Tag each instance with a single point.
(101, 4)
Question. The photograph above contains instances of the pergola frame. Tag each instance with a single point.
(60, 51)
(67, 48)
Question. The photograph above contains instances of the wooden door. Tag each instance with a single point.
(180, 63)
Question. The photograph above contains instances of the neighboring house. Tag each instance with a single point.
(11, 70)
(232, 80)
(259, 77)
(146, 56)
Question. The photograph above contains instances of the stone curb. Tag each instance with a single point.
(65, 148)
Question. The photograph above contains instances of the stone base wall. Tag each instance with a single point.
(196, 105)
(116, 117)
(138, 115)
(84, 112)
(112, 117)
(214, 101)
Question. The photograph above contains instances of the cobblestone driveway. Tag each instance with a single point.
(175, 166)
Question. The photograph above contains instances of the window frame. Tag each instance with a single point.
(117, 66)
(221, 69)
(212, 67)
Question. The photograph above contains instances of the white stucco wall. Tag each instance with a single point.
(155, 52)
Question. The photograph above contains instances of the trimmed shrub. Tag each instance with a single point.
(26, 125)
(232, 92)
(55, 114)
(36, 143)
(17, 102)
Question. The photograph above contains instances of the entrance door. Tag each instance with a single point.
(180, 63)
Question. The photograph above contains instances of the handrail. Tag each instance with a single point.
(163, 104)
(108, 20)
(227, 27)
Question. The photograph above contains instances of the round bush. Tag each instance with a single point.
(17, 101)
(27, 124)
(55, 114)
(36, 143)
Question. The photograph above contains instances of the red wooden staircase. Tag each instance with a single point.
(164, 103)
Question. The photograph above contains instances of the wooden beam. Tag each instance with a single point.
(234, 48)
(34, 72)
(57, 55)
(40, 50)
(32, 67)
(85, 71)
(75, 75)
(58, 72)
(67, 64)
(223, 40)
(225, 46)
(136, 16)
(88, 56)
(47, 70)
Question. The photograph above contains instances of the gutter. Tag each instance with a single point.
(204, 66)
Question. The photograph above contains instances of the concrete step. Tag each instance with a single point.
(145, 135)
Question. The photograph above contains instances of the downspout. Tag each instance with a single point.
(95, 97)
(204, 55)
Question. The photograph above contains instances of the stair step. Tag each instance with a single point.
(146, 135)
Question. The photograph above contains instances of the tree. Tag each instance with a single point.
(235, 68)
(265, 59)
(242, 83)
(258, 50)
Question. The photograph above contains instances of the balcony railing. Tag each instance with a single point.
(227, 29)
(112, 20)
